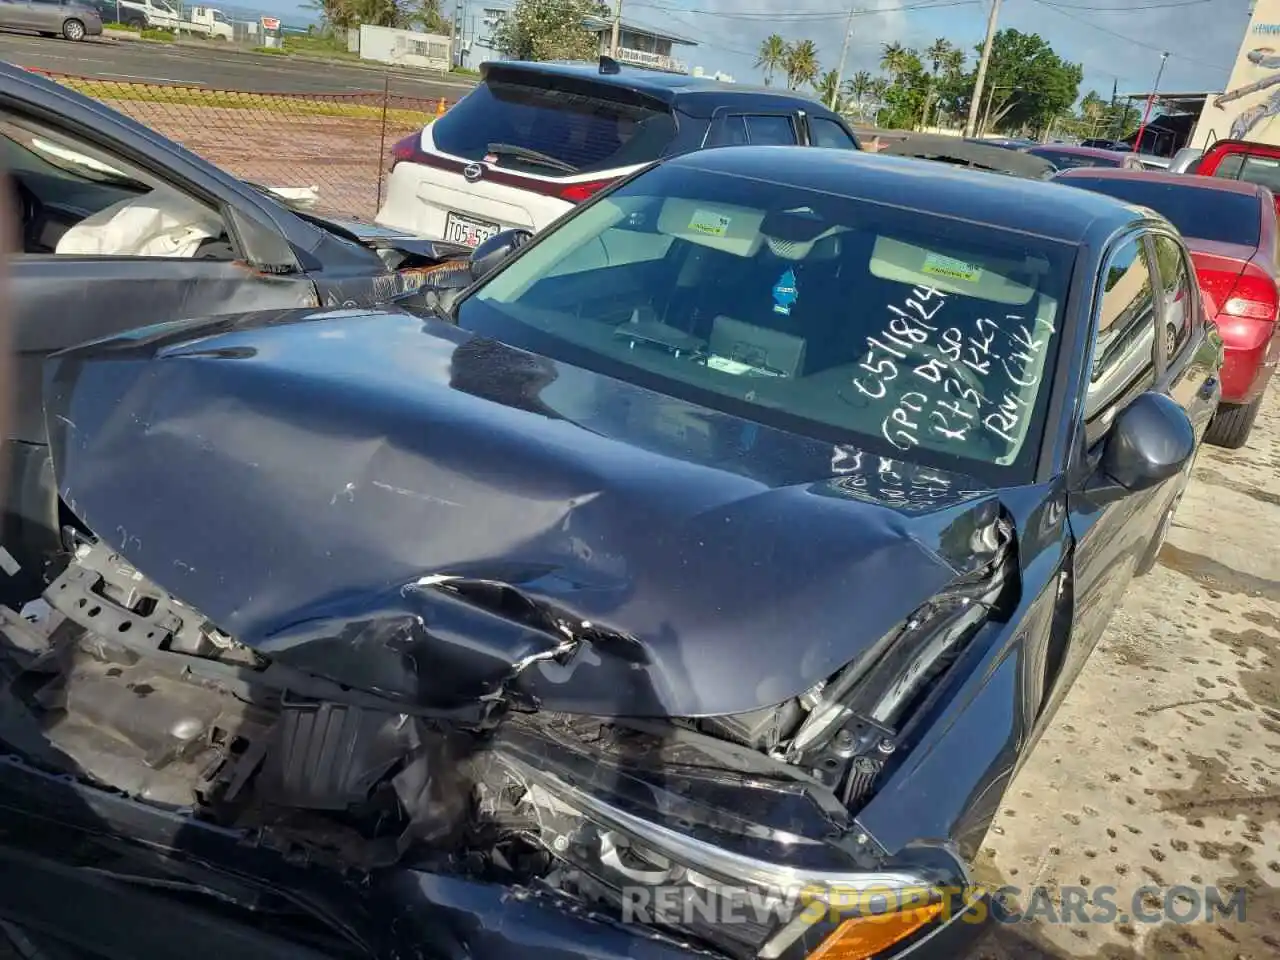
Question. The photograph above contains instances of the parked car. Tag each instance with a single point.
(971, 153)
(1100, 143)
(69, 19)
(121, 227)
(534, 139)
(1231, 231)
(1245, 160)
(1185, 159)
(1066, 157)
(715, 540)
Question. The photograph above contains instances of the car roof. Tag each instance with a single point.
(667, 87)
(1188, 181)
(1035, 207)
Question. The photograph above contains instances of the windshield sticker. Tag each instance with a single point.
(785, 293)
(951, 268)
(710, 224)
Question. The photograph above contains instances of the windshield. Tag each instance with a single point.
(902, 332)
(551, 132)
(1223, 216)
(1065, 160)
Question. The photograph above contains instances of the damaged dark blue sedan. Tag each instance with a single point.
(693, 583)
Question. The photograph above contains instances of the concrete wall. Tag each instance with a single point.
(404, 47)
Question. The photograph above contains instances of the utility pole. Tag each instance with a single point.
(844, 52)
(617, 28)
(1151, 97)
(980, 79)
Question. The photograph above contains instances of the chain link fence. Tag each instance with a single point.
(335, 144)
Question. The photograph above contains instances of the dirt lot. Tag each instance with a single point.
(1162, 767)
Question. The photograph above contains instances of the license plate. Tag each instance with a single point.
(467, 231)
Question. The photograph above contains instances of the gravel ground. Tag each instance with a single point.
(1162, 767)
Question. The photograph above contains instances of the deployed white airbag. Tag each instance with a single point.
(157, 224)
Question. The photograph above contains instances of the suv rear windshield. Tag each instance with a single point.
(1219, 215)
(904, 333)
(579, 132)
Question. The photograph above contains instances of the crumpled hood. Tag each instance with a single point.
(309, 483)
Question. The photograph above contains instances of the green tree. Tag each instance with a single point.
(908, 88)
(1027, 84)
(349, 14)
(548, 30)
(771, 56)
(855, 92)
(828, 90)
(892, 59)
(801, 64)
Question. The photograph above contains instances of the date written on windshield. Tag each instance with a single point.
(948, 373)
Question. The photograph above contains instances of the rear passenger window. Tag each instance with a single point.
(828, 133)
(1179, 296)
(1123, 352)
(1228, 167)
(775, 131)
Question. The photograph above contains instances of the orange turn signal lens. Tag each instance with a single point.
(861, 937)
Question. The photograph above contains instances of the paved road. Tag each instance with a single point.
(125, 60)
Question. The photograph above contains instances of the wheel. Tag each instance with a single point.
(73, 30)
(1230, 426)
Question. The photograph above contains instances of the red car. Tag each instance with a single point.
(1230, 227)
(1067, 157)
(1241, 160)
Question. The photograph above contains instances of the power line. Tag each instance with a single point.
(803, 16)
(1169, 4)
(1120, 36)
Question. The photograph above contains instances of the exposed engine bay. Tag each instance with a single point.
(109, 679)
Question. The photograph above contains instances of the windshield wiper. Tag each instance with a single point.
(531, 156)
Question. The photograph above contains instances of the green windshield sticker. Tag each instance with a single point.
(711, 224)
(951, 268)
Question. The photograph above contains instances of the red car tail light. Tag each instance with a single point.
(579, 192)
(1253, 297)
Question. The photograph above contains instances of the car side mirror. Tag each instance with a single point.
(1151, 440)
(491, 254)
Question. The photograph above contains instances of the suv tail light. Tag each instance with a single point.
(408, 150)
(1253, 297)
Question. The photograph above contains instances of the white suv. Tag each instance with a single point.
(533, 139)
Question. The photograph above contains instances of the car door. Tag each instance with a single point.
(16, 15)
(1111, 535)
(45, 15)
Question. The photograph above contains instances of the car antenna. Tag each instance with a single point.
(608, 65)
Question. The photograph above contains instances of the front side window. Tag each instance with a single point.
(78, 200)
(828, 133)
(1125, 334)
(759, 129)
(888, 328)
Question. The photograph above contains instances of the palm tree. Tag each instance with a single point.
(953, 63)
(829, 89)
(893, 59)
(936, 54)
(770, 56)
(855, 90)
(801, 64)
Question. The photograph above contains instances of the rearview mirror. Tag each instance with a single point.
(1151, 440)
(490, 255)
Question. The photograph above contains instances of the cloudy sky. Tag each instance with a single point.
(1117, 41)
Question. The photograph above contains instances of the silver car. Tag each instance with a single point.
(66, 18)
